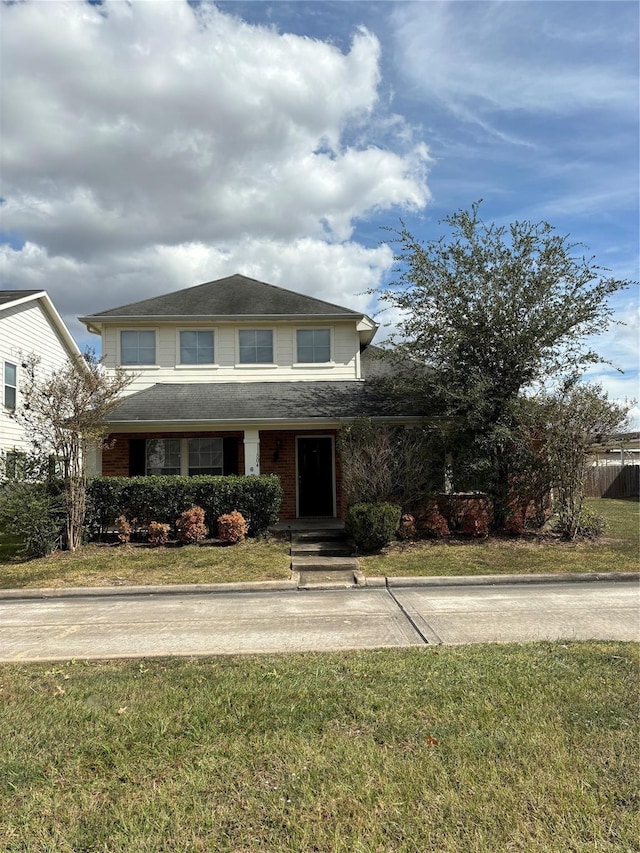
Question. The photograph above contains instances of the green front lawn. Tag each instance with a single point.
(460, 749)
(257, 560)
(133, 565)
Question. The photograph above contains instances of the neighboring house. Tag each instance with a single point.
(29, 323)
(238, 376)
(620, 449)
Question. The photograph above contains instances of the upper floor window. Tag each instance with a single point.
(256, 346)
(196, 347)
(313, 346)
(138, 347)
(10, 385)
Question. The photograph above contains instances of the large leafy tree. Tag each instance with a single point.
(491, 311)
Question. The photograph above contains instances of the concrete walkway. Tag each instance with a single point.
(144, 622)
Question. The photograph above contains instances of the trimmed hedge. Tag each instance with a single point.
(372, 526)
(163, 499)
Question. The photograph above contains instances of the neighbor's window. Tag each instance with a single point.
(163, 456)
(138, 347)
(205, 456)
(10, 385)
(256, 346)
(15, 465)
(196, 347)
(313, 346)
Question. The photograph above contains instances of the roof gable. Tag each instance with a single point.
(10, 297)
(235, 296)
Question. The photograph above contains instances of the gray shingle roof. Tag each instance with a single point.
(233, 296)
(254, 401)
(12, 295)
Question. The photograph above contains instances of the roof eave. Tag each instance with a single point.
(266, 423)
(227, 318)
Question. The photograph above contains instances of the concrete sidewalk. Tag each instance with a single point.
(143, 622)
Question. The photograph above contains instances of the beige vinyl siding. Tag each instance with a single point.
(25, 329)
(344, 365)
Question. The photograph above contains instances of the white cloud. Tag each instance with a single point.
(131, 124)
(489, 57)
(153, 146)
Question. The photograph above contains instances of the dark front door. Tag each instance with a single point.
(315, 476)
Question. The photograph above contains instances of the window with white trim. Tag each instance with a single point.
(313, 346)
(138, 347)
(196, 347)
(10, 385)
(255, 346)
(192, 456)
(206, 456)
(163, 456)
(15, 465)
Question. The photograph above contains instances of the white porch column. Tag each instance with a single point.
(94, 460)
(251, 451)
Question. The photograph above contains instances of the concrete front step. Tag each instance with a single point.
(330, 535)
(321, 549)
(329, 580)
(324, 564)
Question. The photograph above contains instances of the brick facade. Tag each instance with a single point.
(277, 456)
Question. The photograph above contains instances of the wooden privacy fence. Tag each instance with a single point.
(613, 481)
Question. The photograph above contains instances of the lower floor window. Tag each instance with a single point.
(192, 456)
(14, 465)
(205, 456)
(163, 456)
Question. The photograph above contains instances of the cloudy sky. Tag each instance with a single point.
(150, 146)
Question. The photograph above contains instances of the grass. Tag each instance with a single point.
(257, 560)
(133, 565)
(617, 551)
(507, 748)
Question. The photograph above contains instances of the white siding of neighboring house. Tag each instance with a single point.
(25, 329)
(344, 366)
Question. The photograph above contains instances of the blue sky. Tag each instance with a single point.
(152, 146)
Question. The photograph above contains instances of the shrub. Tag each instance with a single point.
(432, 523)
(34, 514)
(407, 528)
(514, 522)
(475, 522)
(372, 526)
(232, 527)
(190, 525)
(158, 534)
(162, 499)
(123, 529)
(104, 505)
(591, 524)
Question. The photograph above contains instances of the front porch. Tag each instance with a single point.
(305, 461)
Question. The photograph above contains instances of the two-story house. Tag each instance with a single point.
(29, 324)
(237, 376)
